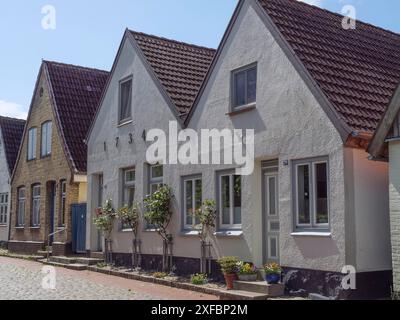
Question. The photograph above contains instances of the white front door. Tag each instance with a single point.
(271, 215)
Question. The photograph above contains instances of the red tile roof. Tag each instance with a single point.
(77, 91)
(180, 67)
(358, 70)
(12, 131)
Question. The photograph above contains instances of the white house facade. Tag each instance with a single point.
(314, 202)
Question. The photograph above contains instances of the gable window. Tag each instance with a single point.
(21, 207)
(35, 206)
(3, 208)
(311, 190)
(125, 100)
(230, 201)
(192, 200)
(244, 87)
(46, 138)
(63, 198)
(32, 143)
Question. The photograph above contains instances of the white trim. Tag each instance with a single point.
(231, 225)
(320, 225)
(298, 224)
(275, 177)
(270, 256)
(312, 234)
(194, 181)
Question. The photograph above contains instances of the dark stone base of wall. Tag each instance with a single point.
(61, 249)
(4, 245)
(369, 285)
(182, 266)
(24, 247)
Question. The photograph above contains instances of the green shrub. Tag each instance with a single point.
(228, 265)
(160, 275)
(199, 279)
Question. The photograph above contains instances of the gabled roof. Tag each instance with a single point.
(358, 70)
(180, 67)
(12, 131)
(76, 92)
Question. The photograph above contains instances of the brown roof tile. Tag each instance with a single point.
(179, 66)
(358, 70)
(77, 91)
(12, 130)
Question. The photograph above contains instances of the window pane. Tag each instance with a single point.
(154, 187)
(156, 171)
(225, 200)
(273, 248)
(49, 128)
(126, 100)
(189, 202)
(240, 89)
(44, 139)
(130, 176)
(251, 85)
(321, 188)
(198, 197)
(237, 199)
(129, 196)
(303, 201)
(272, 195)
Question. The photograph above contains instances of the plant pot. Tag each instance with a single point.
(247, 277)
(272, 278)
(229, 279)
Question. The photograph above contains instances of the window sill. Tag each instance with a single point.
(229, 234)
(48, 156)
(189, 233)
(35, 228)
(126, 230)
(124, 123)
(312, 234)
(3, 225)
(246, 108)
(19, 228)
(150, 230)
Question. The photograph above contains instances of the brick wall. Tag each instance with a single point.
(43, 171)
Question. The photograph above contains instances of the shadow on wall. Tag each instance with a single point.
(311, 249)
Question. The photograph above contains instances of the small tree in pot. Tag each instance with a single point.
(229, 267)
(130, 217)
(158, 214)
(104, 222)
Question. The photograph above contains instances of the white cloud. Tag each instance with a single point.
(13, 110)
(313, 2)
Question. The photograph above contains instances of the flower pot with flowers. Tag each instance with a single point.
(229, 267)
(246, 271)
(272, 273)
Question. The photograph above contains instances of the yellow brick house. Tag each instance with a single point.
(49, 180)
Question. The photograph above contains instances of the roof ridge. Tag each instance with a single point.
(10, 118)
(341, 15)
(172, 40)
(75, 66)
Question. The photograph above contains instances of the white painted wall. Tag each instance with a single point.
(4, 186)
(368, 186)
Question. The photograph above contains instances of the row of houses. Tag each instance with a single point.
(322, 101)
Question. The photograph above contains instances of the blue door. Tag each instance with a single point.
(79, 228)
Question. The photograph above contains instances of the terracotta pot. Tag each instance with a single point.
(229, 279)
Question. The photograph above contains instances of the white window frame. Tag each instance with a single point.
(21, 204)
(4, 208)
(35, 210)
(157, 180)
(127, 184)
(129, 118)
(270, 256)
(32, 141)
(185, 213)
(245, 70)
(47, 129)
(231, 202)
(313, 225)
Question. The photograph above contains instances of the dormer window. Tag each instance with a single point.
(125, 100)
(244, 87)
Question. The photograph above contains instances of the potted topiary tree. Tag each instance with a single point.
(229, 269)
(130, 217)
(158, 213)
(104, 222)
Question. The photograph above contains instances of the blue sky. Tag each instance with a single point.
(88, 33)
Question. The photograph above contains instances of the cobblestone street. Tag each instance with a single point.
(22, 280)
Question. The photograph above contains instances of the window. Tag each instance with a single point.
(32, 143)
(35, 206)
(3, 208)
(128, 195)
(63, 197)
(46, 139)
(156, 179)
(192, 200)
(21, 207)
(311, 194)
(125, 100)
(230, 201)
(244, 87)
